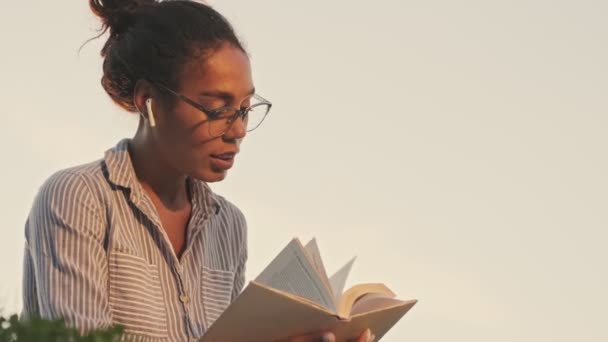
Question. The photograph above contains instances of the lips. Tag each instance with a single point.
(223, 161)
(224, 156)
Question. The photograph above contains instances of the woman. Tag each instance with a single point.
(137, 238)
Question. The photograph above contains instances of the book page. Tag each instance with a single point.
(338, 280)
(292, 271)
(372, 302)
(315, 257)
(353, 294)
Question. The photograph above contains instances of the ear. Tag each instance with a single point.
(143, 90)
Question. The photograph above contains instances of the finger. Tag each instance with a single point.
(316, 337)
(327, 337)
(366, 336)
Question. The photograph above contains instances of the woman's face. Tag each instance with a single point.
(222, 78)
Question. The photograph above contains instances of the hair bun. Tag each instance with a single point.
(117, 15)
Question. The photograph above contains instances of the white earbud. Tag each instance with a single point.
(150, 113)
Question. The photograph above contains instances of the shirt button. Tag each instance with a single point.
(184, 298)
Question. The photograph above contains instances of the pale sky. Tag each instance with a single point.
(456, 147)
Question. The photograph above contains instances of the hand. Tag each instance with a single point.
(365, 336)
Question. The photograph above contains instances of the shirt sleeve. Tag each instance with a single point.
(65, 267)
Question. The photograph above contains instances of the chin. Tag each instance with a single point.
(211, 176)
(216, 179)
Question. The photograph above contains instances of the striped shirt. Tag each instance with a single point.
(96, 255)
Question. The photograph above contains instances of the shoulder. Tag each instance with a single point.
(66, 203)
(79, 175)
(68, 192)
(76, 181)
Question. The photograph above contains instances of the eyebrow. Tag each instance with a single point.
(222, 94)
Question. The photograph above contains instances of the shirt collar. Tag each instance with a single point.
(121, 173)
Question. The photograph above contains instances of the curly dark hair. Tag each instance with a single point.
(152, 40)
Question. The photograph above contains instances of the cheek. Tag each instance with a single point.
(200, 133)
(186, 127)
(186, 141)
(186, 147)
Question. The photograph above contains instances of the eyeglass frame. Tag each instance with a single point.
(212, 113)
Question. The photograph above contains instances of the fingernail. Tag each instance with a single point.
(328, 337)
(368, 335)
(373, 338)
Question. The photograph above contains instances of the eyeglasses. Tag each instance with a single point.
(221, 119)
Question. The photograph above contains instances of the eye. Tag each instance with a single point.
(222, 113)
(214, 105)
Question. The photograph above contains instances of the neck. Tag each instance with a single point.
(157, 178)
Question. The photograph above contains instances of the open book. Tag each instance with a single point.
(294, 296)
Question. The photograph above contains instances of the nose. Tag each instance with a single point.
(237, 130)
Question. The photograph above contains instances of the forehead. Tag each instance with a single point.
(226, 69)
